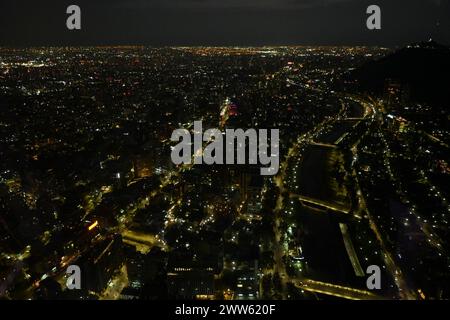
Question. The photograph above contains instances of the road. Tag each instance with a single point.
(318, 286)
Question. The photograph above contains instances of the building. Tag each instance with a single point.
(189, 278)
(100, 265)
(247, 287)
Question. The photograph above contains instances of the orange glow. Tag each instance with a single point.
(422, 295)
(92, 226)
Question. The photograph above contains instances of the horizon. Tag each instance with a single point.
(222, 46)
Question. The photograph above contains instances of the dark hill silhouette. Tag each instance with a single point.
(424, 67)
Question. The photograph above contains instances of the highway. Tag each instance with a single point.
(314, 285)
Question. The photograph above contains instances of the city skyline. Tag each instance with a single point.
(87, 178)
(238, 151)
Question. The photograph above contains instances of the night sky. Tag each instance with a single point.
(223, 22)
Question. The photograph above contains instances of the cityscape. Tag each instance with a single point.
(86, 176)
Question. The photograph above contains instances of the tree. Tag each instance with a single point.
(267, 286)
(277, 282)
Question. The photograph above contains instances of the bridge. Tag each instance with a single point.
(335, 290)
(321, 204)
